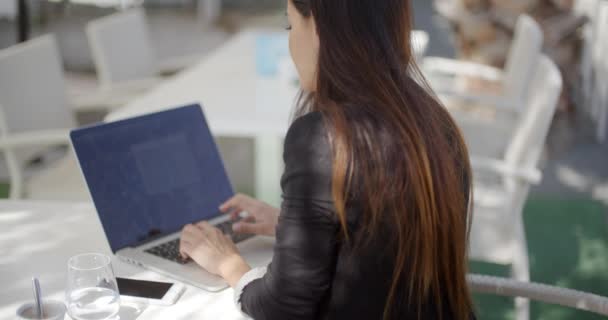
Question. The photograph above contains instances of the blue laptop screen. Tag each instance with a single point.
(153, 174)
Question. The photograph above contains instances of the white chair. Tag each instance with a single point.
(119, 4)
(208, 10)
(8, 9)
(589, 9)
(420, 43)
(501, 186)
(599, 101)
(124, 59)
(35, 116)
(447, 77)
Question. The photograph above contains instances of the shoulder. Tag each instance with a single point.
(308, 158)
(306, 127)
(308, 135)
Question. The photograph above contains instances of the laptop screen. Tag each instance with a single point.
(151, 175)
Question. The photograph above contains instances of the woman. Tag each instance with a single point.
(374, 217)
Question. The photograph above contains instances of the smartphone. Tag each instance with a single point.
(152, 292)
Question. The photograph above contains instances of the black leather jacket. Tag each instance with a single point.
(313, 274)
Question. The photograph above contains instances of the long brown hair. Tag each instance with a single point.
(395, 147)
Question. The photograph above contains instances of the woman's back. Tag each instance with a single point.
(374, 219)
(313, 261)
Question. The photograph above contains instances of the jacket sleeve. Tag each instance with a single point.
(300, 274)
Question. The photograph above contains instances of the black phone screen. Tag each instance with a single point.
(142, 288)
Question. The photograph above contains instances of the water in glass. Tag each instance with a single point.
(92, 293)
(94, 303)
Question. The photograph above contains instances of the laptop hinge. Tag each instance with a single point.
(153, 235)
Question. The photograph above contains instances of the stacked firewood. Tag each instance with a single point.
(483, 30)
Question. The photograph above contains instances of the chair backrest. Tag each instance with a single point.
(600, 103)
(602, 45)
(8, 9)
(121, 48)
(603, 30)
(586, 7)
(599, 49)
(589, 9)
(420, 43)
(527, 143)
(32, 88)
(600, 35)
(522, 58)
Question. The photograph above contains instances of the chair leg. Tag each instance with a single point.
(209, 10)
(520, 269)
(522, 309)
(268, 169)
(16, 176)
(603, 115)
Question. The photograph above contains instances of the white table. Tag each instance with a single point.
(37, 239)
(237, 103)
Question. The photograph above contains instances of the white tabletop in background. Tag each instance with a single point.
(236, 100)
(38, 238)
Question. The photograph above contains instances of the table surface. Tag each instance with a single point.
(237, 101)
(38, 238)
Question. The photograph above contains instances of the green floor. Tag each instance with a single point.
(4, 187)
(568, 242)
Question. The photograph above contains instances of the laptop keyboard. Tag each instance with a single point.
(170, 250)
(226, 228)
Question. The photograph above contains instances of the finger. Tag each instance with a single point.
(244, 218)
(235, 214)
(191, 233)
(203, 225)
(191, 238)
(247, 228)
(228, 238)
(238, 202)
(182, 253)
(246, 214)
(241, 215)
(232, 203)
(206, 229)
(187, 229)
(184, 248)
(190, 229)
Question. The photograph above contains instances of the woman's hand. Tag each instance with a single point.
(261, 218)
(213, 251)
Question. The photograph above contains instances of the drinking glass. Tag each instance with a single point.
(92, 293)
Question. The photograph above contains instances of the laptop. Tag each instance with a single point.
(151, 175)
